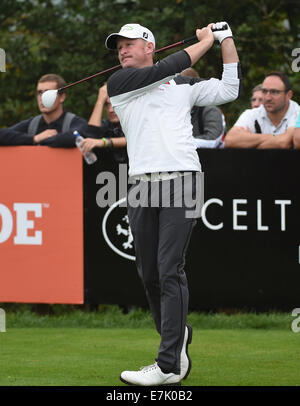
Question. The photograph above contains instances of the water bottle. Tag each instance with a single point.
(90, 157)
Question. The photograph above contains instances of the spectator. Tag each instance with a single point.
(53, 127)
(257, 96)
(103, 133)
(296, 134)
(272, 124)
(208, 122)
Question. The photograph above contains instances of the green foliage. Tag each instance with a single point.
(67, 37)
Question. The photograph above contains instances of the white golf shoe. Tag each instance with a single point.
(151, 375)
(185, 361)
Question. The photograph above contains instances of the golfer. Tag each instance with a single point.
(153, 104)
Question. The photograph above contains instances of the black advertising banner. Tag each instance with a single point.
(245, 249)
(110, 272)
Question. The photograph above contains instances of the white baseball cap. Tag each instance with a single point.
(132, 31)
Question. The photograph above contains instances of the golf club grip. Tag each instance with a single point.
(194, 38)
(191, 39)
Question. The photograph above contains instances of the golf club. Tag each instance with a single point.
(49, 96)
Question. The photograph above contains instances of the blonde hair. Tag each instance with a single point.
(257, 88)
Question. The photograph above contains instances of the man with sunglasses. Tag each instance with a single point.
(271, 125)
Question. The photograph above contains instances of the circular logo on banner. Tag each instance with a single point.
(117, 232)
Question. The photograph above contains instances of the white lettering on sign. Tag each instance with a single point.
(282, 204)
(203, 214)
(260, 226)
(239, 210)
(7, 223)
(237, 213)
(23, 224)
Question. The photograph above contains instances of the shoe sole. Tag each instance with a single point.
(166, 384)
(188, 342)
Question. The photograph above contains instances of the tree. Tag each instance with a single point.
(67, 37)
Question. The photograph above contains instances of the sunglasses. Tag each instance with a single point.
(273, 92)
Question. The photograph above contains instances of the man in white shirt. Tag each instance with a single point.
(153, 105)
(271, 125)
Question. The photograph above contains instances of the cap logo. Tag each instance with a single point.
(145, 35)
(127, 27)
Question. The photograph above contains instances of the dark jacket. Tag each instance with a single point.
(18, 133)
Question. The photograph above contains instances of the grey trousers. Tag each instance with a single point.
(161, 237)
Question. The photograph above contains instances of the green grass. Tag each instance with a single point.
(92, 348)
(112, 317)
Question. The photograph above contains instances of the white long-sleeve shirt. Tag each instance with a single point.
(154, 105)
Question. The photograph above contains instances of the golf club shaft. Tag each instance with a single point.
(176, 44)
(194, 38)
(88, 78)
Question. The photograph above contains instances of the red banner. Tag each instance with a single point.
(41, 225)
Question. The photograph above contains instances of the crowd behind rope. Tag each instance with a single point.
(272, 121)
